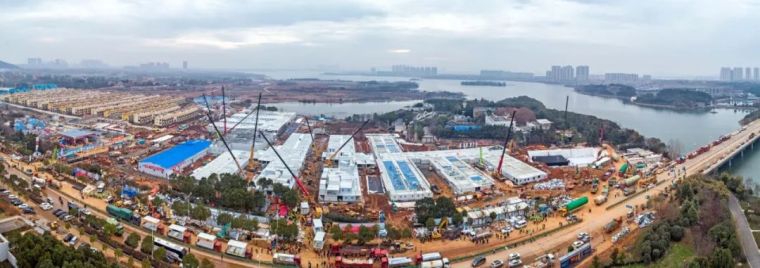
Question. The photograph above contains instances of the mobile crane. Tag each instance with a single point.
(329, 160)
(497, 172)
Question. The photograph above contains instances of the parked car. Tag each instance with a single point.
(578, 243)
(585, 237)
(515, 263)
(520, 224)
(478, 261)
(497, 264)
(514, 256)
(73, 240)
(28, 210)
(506, 230)
(46, 206)
(68, 217)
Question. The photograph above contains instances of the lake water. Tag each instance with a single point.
(690, 129)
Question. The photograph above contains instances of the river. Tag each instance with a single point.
(667, 125)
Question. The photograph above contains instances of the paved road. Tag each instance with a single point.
(744, 232)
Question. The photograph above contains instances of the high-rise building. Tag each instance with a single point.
(184, 64)
(34, 61)
(581, 73)
(725, 74)
(568, 73)
(757, 73)
(555, 73)
(736, 75)
(747, 73)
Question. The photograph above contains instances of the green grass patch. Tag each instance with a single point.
(678, 254)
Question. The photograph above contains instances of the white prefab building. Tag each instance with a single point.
(150, 223)
(340, 184)
(513, 207)
(293, 151)
(206, 241)
(403, 181)
(177, 232)
(347, 153)
(383, 144)
(512, 169)
(577, 156)
(222, 164)
(270, 123)
(236, 248)
(454, 166)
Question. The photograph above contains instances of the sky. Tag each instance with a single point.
(659, 37)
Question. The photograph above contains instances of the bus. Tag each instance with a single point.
(174, 252)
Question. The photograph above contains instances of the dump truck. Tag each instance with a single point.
(611, 226)
(623, 168)
(122, 213)
(573, 205)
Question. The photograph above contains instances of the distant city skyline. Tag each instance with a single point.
(662, 38)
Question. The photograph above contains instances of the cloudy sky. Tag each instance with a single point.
(659, 37)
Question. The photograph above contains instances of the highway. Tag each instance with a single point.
(558, 242)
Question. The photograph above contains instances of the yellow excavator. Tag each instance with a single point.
(436, 234)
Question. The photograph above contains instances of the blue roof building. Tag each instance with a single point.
(174, 159)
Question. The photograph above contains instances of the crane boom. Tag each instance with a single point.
(298, 181)
(346, 142)
(224, 111)
(506, 143)
(255, 130)
(221, 137)
(309, 126)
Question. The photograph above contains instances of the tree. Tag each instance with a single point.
(336, 232)
(224, 218)
(146, 263)
(147, 245)
(189, 261)
(206, 263)
(720, 258)
(118, 252)
(614, 256)
(159, 254)
(200, 213)
(366, 234)
(180, 208)
(132, 240)
(595, 262)
(492, 216)
(109, 230)
(406, 233)
(457, 219)
(430, 223)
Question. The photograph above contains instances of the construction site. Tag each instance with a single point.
(349, 177)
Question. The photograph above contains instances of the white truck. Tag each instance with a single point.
(442, 263)
(600, 199)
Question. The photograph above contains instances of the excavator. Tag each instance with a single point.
(436, 234)
(497, 173)
(329, 160)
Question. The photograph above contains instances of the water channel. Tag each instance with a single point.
(690, 129)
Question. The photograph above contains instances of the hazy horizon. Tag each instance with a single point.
(662, 38)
